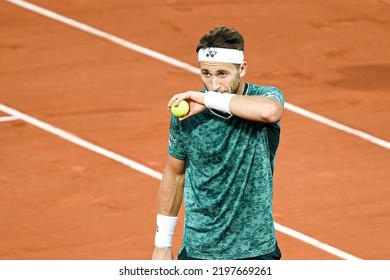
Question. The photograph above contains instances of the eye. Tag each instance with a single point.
(206, 74)
(222, 74)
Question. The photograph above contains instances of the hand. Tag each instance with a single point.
(194, 98)
(162, 254)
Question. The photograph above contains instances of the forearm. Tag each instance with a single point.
(253, 108)
(170, 194)
(169, 202)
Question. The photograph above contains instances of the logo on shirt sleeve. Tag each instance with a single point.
(172, 140)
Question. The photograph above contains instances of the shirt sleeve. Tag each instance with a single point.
(273, 92)
(273, 130)
(175, 145)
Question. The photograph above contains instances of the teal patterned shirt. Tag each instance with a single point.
(228, 182)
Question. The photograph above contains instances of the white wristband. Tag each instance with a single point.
(165, 228)
(218, 101)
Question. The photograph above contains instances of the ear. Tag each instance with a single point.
(242, 69)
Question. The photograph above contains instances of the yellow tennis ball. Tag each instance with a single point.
(181, 109)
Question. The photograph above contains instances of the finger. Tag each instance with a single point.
(186, 116)
(175, 100)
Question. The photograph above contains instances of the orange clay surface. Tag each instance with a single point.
(61, 201)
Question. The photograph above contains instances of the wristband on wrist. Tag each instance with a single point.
(164, 233)
(218, 101)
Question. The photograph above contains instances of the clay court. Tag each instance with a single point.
(84, 125)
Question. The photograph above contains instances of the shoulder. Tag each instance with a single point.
(268, 91)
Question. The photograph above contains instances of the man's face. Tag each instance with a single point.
(222, 77)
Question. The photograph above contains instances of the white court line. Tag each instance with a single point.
(8, 119)
(337, 125)
(315, 242)
(150, 172)
(78, 141)
(188, 67)
(104, 35)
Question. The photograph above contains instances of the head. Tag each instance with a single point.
(221, 60)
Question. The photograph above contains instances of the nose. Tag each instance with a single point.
(215, 84)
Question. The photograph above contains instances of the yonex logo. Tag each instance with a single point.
(211, 53)
(172, 139)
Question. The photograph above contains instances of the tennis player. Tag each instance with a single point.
(221, 160)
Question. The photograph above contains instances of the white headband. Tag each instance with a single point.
(221, 55)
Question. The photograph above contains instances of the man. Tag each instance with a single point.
(221, 159)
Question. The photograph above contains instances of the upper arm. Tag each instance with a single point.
(174, 166)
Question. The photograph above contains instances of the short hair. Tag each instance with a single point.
(222, 37)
